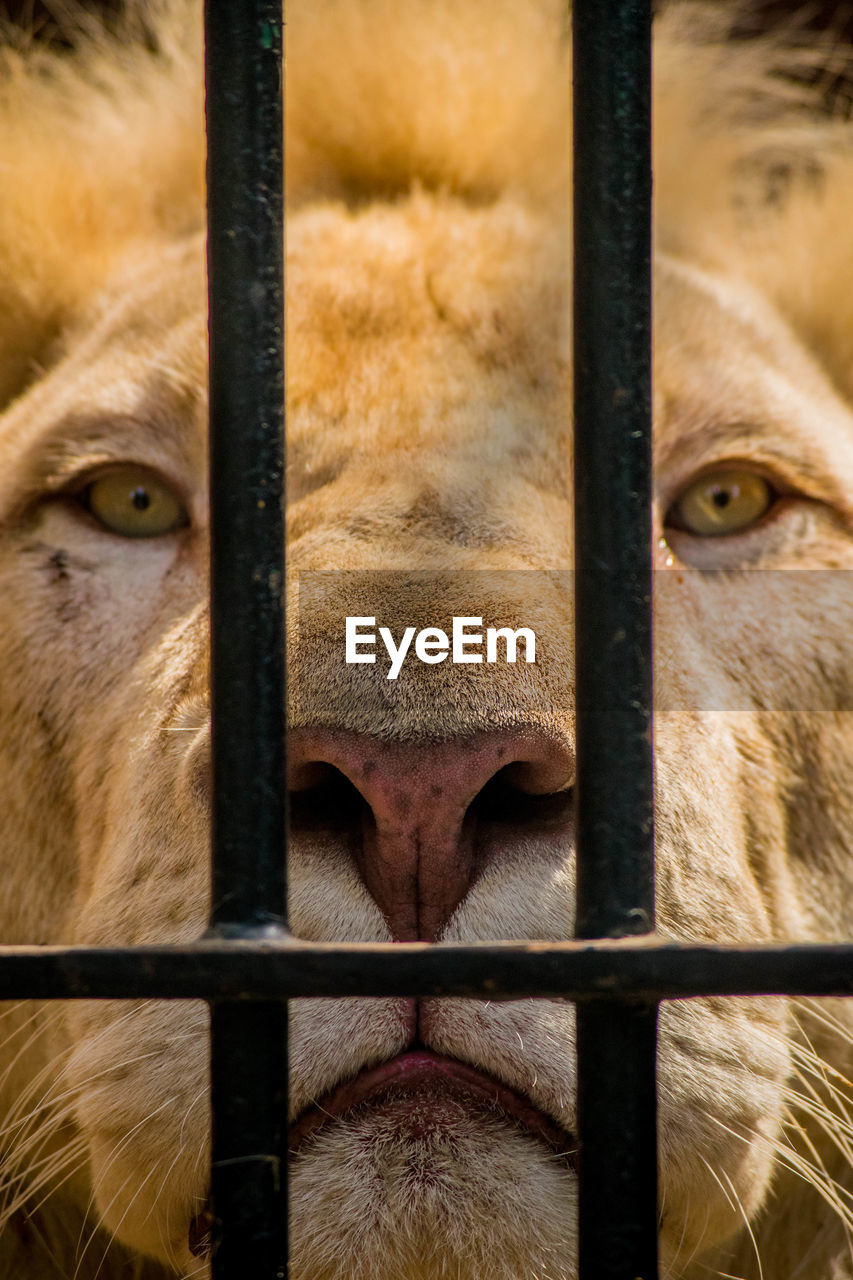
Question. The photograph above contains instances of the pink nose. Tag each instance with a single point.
(417, 811)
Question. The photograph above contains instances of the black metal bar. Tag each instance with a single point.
(246, 310)
(249, 1166)
(246, 291)
(613, 466)
(618, 1219)
(263, 971)
(616, 1044)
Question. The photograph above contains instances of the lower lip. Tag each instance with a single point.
(406, 1083)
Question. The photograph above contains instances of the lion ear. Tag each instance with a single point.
(753, 173)
(801, 257)
(101, 152)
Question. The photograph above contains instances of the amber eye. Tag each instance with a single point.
(134, 502)
(721, 502)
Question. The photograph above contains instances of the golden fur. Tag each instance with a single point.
(428, 390)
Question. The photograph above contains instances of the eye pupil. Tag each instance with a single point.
(721, 498)
(140, 499)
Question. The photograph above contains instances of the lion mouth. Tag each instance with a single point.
(417, 1088)
(418, 1085)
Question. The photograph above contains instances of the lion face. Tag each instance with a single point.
(429, 452)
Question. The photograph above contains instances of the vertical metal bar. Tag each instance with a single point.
(245, 262)
(246, 297)
(617, 1139)
(612, 353)
(249, 1162)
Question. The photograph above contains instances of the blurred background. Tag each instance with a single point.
(830, 21)
(749, 17)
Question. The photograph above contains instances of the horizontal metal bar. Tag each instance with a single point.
(637, 971)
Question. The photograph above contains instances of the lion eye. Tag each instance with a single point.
(720, 502)
(134, 502)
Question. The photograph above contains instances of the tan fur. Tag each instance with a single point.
(429, 391)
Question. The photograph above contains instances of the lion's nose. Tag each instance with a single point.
(421, 817)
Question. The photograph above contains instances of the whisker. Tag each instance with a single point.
(114, 1233)
(737, 1204)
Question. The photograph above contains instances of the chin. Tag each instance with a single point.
(419, 1182)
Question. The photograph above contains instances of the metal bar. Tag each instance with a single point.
(616, 1044)
(617, 1203)
(613, 467)
(243, 66)
(263, 971)
(249, 1165)
(246, 291)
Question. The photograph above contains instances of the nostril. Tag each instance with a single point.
(506, 800)
(543, 774)
(323, 798)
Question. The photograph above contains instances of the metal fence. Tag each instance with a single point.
(248, 965)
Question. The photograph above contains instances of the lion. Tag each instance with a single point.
(429, 446)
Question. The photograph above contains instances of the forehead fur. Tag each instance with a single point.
(102, 152)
